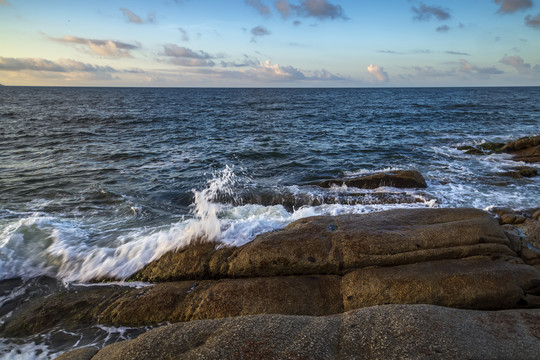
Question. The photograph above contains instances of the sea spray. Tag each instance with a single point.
(206, 225)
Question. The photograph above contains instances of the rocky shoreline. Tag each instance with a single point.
(404, 283)
(323, 275)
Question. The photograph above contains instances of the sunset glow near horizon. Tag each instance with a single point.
(268, 43)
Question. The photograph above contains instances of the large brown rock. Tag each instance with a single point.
(178, 301)
(395, 178)
(526, 149)
(473, 283)
(381, 332)
(315, 266)
(333, 245)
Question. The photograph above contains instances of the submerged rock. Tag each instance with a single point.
(396, 178)
(381, 332)
(521, 172)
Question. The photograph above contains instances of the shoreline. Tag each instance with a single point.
(457, 259)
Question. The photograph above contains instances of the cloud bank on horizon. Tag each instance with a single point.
(270, 43)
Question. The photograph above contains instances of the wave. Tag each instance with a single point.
(228, 210)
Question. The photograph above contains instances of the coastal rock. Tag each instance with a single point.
(189, 300)
(521, 172)
(486, 148)
(472, 283)
(526, 149)
(71, 308)
(334, 245)
(381, 332)
(315, 266)
(531, 230)
(85, 353)
(396, 178)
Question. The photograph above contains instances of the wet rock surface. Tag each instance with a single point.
(396, 178)
(526, 149)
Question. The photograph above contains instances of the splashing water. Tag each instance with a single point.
(206, 224)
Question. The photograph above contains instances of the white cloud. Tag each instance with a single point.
(65, 69)
(378, 72)
(468, 68)
(517, 63)
(107, 48)
(183, 56)
(134, 18)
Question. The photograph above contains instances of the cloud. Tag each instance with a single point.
(260, 31)
(430, 72)
(135, 19)
(468, 68)
(183, 56)
(457, 53)
(408, 52)
(533, 22)
(259, 6)
(516, 62)
(378, 72)
(425, 12)
(107, 48)
(511, 6)
(320, 9)
(443, 28)
(275, 72)
(185, 35)
(60, 66)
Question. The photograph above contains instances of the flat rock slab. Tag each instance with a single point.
(473, 283)
(381, 332)
(336, 244)
(396, 178)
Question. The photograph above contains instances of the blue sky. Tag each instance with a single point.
(298, 43)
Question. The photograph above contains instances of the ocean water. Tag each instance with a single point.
(97, 182)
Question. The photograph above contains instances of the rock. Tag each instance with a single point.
(521, 172)
(187, 300)
(381, 332)
(397, 178)
(471, 150)
(199, 260)
(70, 308)
(333, 245)
(531, 230)
(522, 143)
(85, 353)
(486, 148)
(511, 219)
(526, 149)
(473, 283)
(315, 266)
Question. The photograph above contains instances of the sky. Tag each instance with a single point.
(270, 43)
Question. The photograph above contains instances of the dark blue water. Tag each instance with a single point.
(99, 181)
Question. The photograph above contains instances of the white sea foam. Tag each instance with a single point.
(27, 351)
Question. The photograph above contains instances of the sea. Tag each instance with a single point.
(97, 182)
